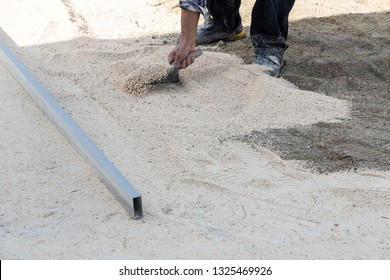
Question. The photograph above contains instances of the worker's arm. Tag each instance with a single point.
(178, 56)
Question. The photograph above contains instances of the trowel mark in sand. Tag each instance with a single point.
(77, 18)
(221, 177)
(249, 168)
(229, 172)
(359, 181)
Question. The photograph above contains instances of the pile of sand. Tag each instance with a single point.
(204, 194)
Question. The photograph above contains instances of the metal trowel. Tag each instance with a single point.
(172, 75)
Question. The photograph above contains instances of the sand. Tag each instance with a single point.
(205, 195)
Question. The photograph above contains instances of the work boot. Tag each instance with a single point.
(272, 63)
(210, 32)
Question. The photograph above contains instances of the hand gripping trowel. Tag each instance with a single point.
(172, 75)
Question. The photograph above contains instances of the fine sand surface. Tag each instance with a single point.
(206, 195)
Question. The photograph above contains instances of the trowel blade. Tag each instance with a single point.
(173, 72)
(172, 76)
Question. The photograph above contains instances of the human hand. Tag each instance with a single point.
(179, 57)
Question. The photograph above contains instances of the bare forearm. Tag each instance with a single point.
(189, 24)
(179, 55)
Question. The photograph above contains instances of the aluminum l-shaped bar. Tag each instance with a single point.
(123, 190)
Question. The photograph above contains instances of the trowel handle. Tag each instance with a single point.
(196, 53)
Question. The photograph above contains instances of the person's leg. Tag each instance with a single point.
(225, 23)
(225, 13)
(269, 30)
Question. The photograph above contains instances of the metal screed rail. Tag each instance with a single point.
(123, 190)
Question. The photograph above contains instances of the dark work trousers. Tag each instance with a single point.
(269, 25)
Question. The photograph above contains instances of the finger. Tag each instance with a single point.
(179, 60)
(186, 62)
(192, 60)
(183, 64)
(171, 57)
(189, 61)
(174, 58)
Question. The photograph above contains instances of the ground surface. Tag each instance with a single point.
(345, 56)
(232, 164)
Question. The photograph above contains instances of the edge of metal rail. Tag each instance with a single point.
(122, 189)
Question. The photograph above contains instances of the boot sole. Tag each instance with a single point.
(231, 38)
(235, 37)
